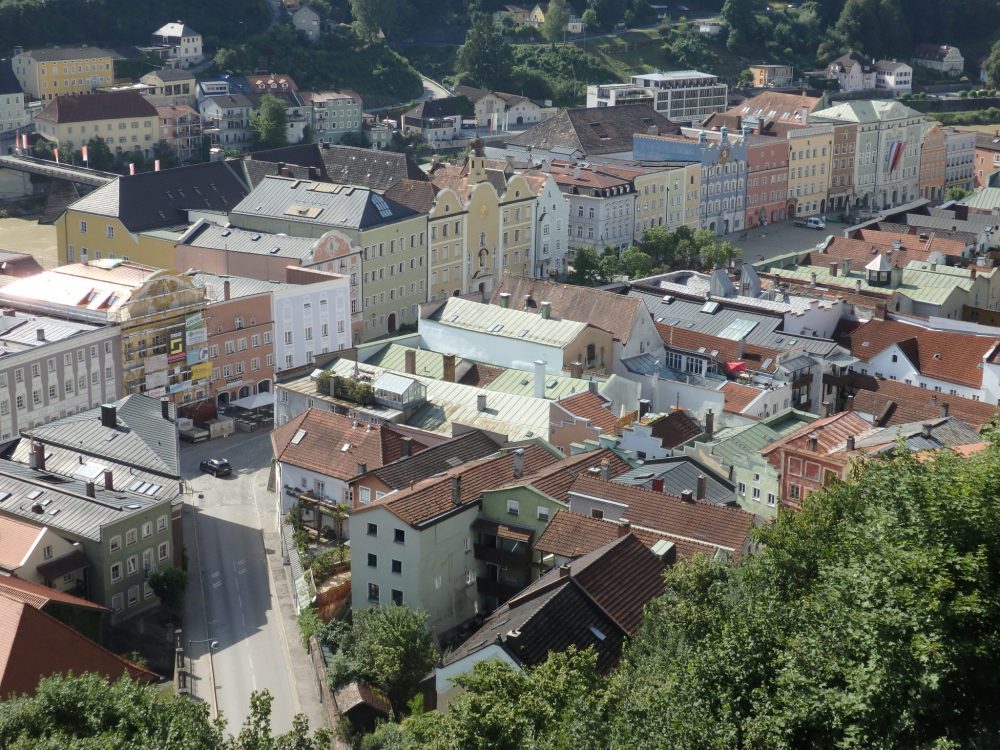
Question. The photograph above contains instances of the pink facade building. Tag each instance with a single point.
(767, 180)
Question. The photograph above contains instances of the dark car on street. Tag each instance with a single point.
(218, 467)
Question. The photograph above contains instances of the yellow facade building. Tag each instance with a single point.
(810, 150)
(48, 73)
(124, 120)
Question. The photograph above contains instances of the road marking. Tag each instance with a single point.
(246, 634)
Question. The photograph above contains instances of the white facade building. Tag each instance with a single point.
(551, 228)
(183, 44)
(13, 114)
(311, 319)
(960, 154)
(682, 96)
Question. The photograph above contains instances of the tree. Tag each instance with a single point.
(394, 648)
(99, 156)
(741, 20)
(170, 584)
(486, 57)
(373, 16)
(589, 18)
(256, 731)
(166, 154)
(556, 18)
(586, 267)
(269, 126)
(635, 263)
(717, 254)
(992, 64)
(609, 264)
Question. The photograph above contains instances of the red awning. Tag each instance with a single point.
(734, 367)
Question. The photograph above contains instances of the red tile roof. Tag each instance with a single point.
(611, 312)
(555, 480)
(571, 534)
(831, 435)
(728, 350)
(426, 501)
(594, 407)
(945, 355)
(738, 397)
(675, 428)
(321, 447)
(17, 539)
(34, 645)
(894, 402)
(38, 595)
(912, 243)
(707, 523)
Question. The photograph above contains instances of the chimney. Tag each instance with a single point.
(644, 407)
(539, 378)
(624, 527)
(812, 278)
(834, 267)
(944, 408)
(545, 310)
(576, 369)
(849, 403)
(38, 452)
(527, 301)
(405, 446)
(109, 415)
(687, 496)
(109, 479)
(362, 468)
(702, 486)
(91, 490)
(657, 484)
(605, 470)
(925, 429)
(505, 299)
(456, 490)
(805, 115)
(448, 368)
(709, 424)
(165, 409)
(972, 273)
(40, 334)
(850, 442)
(826, 408)
(410, 361)
(481, 402)
(225, 290)
(518, 463)
(813, 441)
(857, 286)
(564, 570)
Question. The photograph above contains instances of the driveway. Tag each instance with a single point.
(238, 591)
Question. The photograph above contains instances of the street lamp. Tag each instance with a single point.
(212, 645)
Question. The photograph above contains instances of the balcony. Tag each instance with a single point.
(500, 589)
(500, 556)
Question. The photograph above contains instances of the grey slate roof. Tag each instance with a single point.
(239, 286)
(206, 234)
(595, 130)
(68, 508)
(8, 81)
(679, 473)
(153, 200)
(948, 431)
(172, 74)
(430, 461)
(349, 165)
(52, 54)
(321, 204)
(19, 332)
(256, 170)
(143, 438)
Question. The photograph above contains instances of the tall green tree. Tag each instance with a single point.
(635, 263)
(586, 267)
(740, 17)
(993, 64)
(269, 126)
(373, 16)
(486, 58)
(556, 18)
(717, 254)
(99, 156)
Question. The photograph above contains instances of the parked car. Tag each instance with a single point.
(218, 467)
(813, 222)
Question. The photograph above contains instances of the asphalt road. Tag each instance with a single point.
(231, 594)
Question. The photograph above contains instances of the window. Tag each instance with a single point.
(470, 577)
(793, 491)
(741, 489)
(133, 596)
(162, 551)
(373, 592)
(147, 529)
(130, 537)
(132, 565)
(597, 513)
(372, 560)
(47, 552)
(372, 529)
(397, 567)
(543, 513)
(770, 499)
(116, 572)
(117, 603)
(756, 494)
(397, 596)
(83, 227)
(115, 543)
(399, 536)
(513, 507)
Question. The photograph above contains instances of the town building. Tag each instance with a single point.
(810, 154)
(61, 71)
(772, 76)
(178, 44)
(942, 58)
(601, 207)
(334, 113)
(119, 500)
(54, 366)
(226, 120)
(13, 112)
(767, 181)
(180, 130)
(933, 158)
(987, 158)
(682, 96)
(853, 72)
(160, 316)
(33, 552)
(437, 121)
(171, 87)
(892, 402)
(85, 617)
(307, 23)
(723, 160)
(960, 156)
(125, 121)
(498, 111)
(769, 113)
(893, 76)
(391, 238)
(887, 152)
(551, 226)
